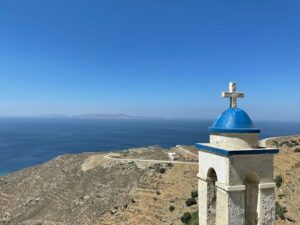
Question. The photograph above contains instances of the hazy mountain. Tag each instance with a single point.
(99, 116)
(102, 116)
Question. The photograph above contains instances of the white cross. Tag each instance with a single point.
(233, 95)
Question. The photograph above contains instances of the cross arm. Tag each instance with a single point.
(232, 95)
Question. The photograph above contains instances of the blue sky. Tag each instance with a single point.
(165, 58)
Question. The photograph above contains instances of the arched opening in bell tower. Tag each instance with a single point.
(211, 196)
(251, 199)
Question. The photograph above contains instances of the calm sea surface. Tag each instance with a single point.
(27, 142)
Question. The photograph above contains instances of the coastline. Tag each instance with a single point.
(2, 173)
(116, 185)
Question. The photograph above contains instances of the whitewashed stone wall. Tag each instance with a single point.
(231, 173)
(267, 206)
(242, 165)
(234, 140)
(219, 163)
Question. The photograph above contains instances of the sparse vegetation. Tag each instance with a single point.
(191, 201)
(297, 165)
(186, 218)
(195, 219)
(283, 143)
(171, 208)
(190, 219)
(280, 211)
(295, 144)
(281, 196)
(194, 194)
(278, 180)
(290, 145)
(297, 149)
(170, 165)
(159, 168)
(162, 170)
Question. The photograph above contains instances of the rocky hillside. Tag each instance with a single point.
(287, 178)
(139, 186)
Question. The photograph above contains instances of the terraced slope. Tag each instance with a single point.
(91, 188)
(152, 198)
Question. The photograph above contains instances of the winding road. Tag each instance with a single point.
(110, 156)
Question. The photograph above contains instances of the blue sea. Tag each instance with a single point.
(29, 141)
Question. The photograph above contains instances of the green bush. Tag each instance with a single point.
(195, 219)
(191, 201)
(280, 211)
(186, 218)
(297, 150)
(194, 194)
(278, 180)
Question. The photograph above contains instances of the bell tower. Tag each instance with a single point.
(235, 174)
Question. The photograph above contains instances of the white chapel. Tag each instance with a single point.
(235, 174)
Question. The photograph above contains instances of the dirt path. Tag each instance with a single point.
(110, 156)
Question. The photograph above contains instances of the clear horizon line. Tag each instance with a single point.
(135, 117)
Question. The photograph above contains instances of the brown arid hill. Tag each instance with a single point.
(287, 173)
(140, 186)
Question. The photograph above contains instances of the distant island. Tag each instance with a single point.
(100, 116)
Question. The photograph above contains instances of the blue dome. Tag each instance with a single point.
(234, 120)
